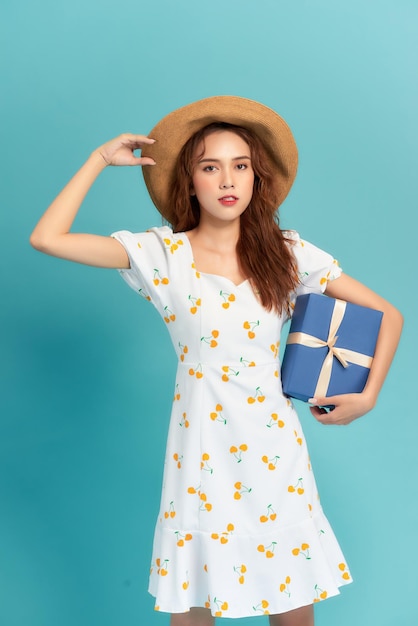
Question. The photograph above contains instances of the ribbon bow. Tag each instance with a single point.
(343, 355)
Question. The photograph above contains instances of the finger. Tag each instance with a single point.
(324, 417)
(142, 161)
(318, 412)
(129, 139)
(321, 400)
(327, 404)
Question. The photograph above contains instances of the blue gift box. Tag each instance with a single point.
(330, 347)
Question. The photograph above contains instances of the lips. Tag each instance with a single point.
(228, 200)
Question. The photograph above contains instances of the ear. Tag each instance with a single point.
(192, 191)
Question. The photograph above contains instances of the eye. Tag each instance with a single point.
(209, 168)
(242, 166)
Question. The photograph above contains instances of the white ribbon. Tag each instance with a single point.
(343, 355)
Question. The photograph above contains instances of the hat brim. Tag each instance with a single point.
(176, 128)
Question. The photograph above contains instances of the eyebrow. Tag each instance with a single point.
(238, 158)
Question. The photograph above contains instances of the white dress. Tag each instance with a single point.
(240, 529)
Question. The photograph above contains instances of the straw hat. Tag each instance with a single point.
(177, 127)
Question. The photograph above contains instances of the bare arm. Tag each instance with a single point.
(351, 406)
(52, 233)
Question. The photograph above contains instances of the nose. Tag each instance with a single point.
(226, 182)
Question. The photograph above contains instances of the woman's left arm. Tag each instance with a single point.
(349, 407)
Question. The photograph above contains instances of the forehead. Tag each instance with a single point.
(222, 142)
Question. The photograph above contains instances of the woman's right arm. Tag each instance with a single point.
(52, 233)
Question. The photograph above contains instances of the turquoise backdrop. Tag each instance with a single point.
(87, 367)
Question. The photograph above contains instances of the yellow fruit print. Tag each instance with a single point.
(321, 594)
(223, 536)
(204, 505)
(303, 550)
(207, 603)
(178, 459)
(184, 421)
(298, 439)
(171, 511)
(204, 465)
(324, 279)
(297, 488)
(158, 279)
(344, 571)
(196, 271)
(240, 570)
(269, 515)
(216, 415)
(182, 537)
(184, 351)
(284, 586)
(246, 362)
(196, 303)
(237, 451)
(249, 327)
(162, 567)
(227, 298)
(257, 397)
(267, 550)
(262, 608)
(186, 583)
(176, 394)
(169, 315)
(173, 244)
(221, 605)
(271, 462)
(144, 294)
(240, 489)
(196, 371)
(228, 372)
(275, 349)
(211, 340)
(275, 421)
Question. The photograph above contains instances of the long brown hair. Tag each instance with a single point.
(264, 252)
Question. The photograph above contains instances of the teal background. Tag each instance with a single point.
(87, 367)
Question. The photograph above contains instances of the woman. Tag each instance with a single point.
(240, 531)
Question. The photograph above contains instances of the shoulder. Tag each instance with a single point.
(301, 247)
(156, 233)
(158, 238)
(293, 238)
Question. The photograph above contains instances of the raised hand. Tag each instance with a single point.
(120, 151)
(52, 233)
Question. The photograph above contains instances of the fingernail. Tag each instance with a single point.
(312, 400)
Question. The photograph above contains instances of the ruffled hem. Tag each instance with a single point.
(242, 576)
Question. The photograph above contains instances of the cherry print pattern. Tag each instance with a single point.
(239, 498)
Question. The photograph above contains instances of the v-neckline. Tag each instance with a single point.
(236, 285)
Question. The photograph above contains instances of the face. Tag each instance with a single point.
(223, 177)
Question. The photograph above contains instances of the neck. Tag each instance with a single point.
(221, 236)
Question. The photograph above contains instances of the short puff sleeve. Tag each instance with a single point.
(315, 266)
(148, 254)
